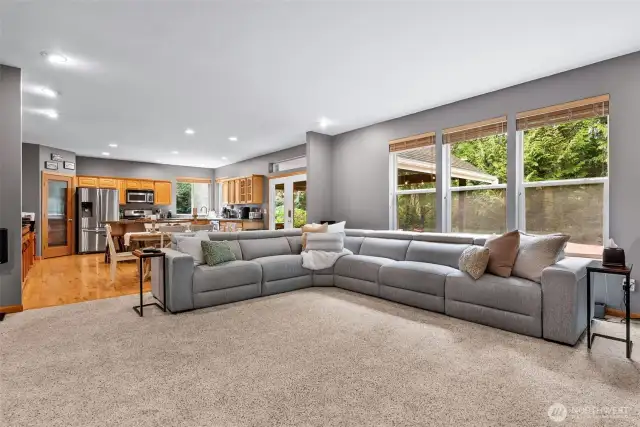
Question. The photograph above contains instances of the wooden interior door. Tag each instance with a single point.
(57, 215)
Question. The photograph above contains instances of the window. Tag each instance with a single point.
(477, 169)
(565, 173)
(413, 169)
(192, 193)
(290, 164)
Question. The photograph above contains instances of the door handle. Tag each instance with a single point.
(289, 213)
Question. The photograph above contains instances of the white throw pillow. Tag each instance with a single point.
(337, 227)
(537, 253)
(191, 246)
(327, 242)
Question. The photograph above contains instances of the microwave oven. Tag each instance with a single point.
(140, 196)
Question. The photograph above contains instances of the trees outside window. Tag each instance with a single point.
(191, 195)
(415, 177)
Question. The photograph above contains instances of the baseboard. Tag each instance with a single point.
(619, 313)
(11, 309)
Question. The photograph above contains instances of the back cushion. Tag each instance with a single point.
(295, 242)
(436, 253)
(353, 244)
(385, 248)
(258, 248)
(235, 248)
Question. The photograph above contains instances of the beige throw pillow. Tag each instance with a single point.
(503, 252)
(474, 261)
(537, 253)
(312, 228)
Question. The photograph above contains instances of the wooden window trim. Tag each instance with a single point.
(597, 106)
(484, 128)
(194, 180)
(410, 142)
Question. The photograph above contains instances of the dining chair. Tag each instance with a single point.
(116, 257)
(168, 229)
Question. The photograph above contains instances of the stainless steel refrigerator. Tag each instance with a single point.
(94, 207)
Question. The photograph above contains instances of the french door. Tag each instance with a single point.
(57, 215)
(288, 202)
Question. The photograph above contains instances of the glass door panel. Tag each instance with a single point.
(57, 224)
(299, 203)
(287, 202)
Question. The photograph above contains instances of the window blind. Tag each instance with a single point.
(495, 126)
(410, 142)
(562, 113)
(194, 180)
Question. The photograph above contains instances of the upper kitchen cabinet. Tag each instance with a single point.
(243, 190)
(107, 183)
(162, 192)
(147, 185)
(133, 184)
(87, 181)
(122, 188)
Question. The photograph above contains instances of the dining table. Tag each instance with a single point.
(142, 239)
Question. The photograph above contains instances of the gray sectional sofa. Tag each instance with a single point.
(417, 269)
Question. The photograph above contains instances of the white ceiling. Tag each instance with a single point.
(140, 72)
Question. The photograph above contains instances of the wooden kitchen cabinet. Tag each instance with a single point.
(225, 192)
(147, 185)
(133, 184)
(122, 190)
(162, 193)
(107, 183)
(243, 190)
(232, 193)
(236, 184)
(88, 181)
(255, 189)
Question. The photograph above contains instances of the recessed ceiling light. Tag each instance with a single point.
(52, 114)
(49, 93)
(324, 122)
(175, 152)
(113, 145)
(104, 153)
(189, 131)
(233, 138)
(224, 158)
(54, 58)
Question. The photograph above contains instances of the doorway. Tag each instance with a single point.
(57, 215)
(288, 202)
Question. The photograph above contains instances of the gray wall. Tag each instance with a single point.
(258, 166)
(31, 178)
(319, 173)
(10, 182)
(128, 169)
(360, 186)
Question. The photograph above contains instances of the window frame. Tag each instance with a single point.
(522, 186)
(191, 203)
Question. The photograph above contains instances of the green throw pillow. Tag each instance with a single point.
(216, 252)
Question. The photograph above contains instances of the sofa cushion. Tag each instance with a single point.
(258, 248)
(280, 267)
(295, 242)
(362, 267)
(511, 294)
(227, 275)
(503, 250)
(416, 276)
(353, 243)
(436, 253)
(216, 252)
(384, 248)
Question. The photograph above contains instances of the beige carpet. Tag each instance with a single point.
(314, 357)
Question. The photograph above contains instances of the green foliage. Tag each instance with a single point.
(183, 198)
(488, 154)
(300, 208)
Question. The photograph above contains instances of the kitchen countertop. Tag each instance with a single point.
(237, 219)
(148, 221)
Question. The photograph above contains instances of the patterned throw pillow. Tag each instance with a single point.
(474, 261)
(217, 252)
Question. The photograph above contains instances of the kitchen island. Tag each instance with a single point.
(240, 224)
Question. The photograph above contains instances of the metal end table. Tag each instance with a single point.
(142, 257)
(597, 267)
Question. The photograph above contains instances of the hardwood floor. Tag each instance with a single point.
(77, 278)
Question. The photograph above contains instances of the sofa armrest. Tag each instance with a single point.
(564, 300)
(179, 268)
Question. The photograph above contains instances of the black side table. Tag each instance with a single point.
(597, 267)
(142, 256)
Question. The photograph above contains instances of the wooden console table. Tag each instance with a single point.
(28, 251)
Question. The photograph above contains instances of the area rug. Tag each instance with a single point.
(316, 357)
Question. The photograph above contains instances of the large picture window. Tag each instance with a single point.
(414, 183)
(565, 173)
(477, 170)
